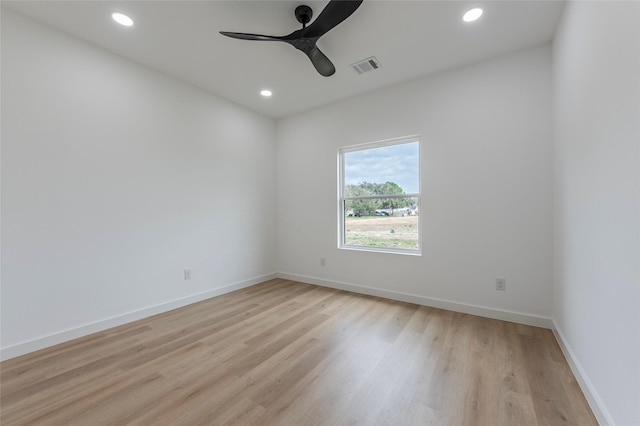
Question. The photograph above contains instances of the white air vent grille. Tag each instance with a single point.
(366, 65)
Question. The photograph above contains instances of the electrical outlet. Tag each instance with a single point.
(187, 274)
(501, 284)
(323, 261)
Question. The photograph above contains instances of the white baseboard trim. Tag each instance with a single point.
(86, 329)
(596, 404)
(482, 311)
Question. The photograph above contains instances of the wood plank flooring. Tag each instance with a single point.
(287, 353)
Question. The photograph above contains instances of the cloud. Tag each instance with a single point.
(394, 163)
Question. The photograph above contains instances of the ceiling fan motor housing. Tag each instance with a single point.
(303, 14)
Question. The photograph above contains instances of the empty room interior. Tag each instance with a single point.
(359, 212)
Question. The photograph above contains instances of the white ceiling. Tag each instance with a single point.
(410, 39)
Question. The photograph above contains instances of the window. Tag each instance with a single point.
(380, 196)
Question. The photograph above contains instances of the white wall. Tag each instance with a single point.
(486, 186)
(596, 57)
(115, 179)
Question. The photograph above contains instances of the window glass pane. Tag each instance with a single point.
(382, 223)
(380, 195)
(397, 164)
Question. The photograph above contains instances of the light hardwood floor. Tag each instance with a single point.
(287, 353)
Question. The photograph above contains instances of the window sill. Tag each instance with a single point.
(382, 250)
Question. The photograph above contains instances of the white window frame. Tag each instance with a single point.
(342, 198)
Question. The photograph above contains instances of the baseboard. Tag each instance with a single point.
(482, 311)
(86, 329)
(592, 397)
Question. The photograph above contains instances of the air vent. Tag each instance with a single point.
(366, 65)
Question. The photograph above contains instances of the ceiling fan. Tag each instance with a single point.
(305, 39)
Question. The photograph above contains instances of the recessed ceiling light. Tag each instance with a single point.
(266, 93)
(472, 15)
(122, 19)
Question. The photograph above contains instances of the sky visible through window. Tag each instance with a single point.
(394, 163)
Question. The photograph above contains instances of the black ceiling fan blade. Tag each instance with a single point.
(245, 36)
(322, 64)
(334, 13)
